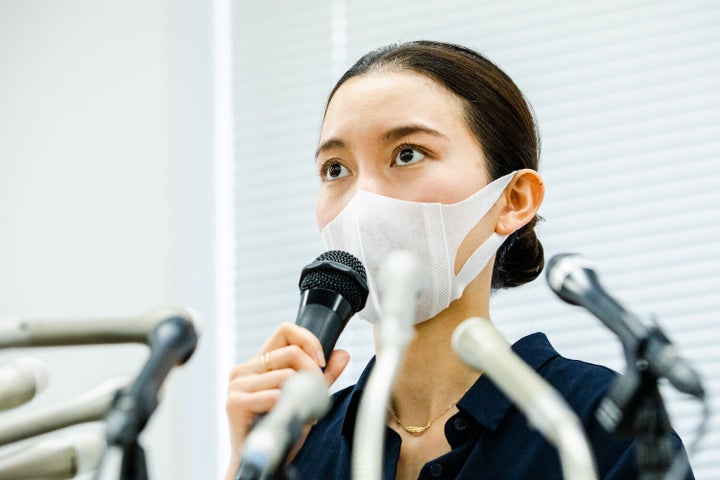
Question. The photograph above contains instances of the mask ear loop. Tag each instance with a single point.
(467, 214)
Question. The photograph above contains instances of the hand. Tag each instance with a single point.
(255, 385)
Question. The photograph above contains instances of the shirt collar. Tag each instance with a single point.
(484, 402)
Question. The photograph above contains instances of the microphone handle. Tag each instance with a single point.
(325, 313)
(648, 342)
(625, 324)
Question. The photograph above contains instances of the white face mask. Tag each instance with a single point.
(371, 226)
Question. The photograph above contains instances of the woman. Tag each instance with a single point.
(409, 127)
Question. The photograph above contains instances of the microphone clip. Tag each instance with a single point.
(634, 406)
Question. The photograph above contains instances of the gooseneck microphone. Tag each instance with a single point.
(400, 282)
(482, 347)
(332, 289)
(574, 280)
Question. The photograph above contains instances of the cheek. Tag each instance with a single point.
(325, 210)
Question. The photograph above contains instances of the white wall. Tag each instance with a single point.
(106, 200)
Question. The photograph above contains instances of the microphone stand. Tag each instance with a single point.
(123, 463)
(284, 472)
(634, 405)
(134, 465)
(124, 458)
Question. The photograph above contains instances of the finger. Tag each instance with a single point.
(338, 361)
(290, 356)
(264, 381)
(243, 406)
(247, 368)
(291, 334)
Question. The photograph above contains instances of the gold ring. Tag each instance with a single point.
(266, 361)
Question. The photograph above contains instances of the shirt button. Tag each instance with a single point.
(436, 470)
(460, 424)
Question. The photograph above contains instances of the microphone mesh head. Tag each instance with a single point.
(339, 272)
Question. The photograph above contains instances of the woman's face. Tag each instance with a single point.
(399, 134)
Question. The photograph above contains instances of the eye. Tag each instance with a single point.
(407, 156)
(333, 170)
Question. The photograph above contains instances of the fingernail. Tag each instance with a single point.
(320, 357)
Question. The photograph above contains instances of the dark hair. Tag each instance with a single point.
(499, 116)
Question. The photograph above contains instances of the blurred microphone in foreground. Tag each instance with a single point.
(400, 282)
(58, 457)
(303, 400)
(90, 406)
(480, 345)
(21, 380)
(18, 332)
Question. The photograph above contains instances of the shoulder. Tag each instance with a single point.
(583, 385)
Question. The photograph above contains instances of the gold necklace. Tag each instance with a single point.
(417, 429)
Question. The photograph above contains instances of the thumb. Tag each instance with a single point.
(339, 359)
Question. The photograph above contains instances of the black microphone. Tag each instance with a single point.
(332, 289)
(172, 342)
(574, 281)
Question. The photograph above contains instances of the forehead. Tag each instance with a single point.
(391, 97)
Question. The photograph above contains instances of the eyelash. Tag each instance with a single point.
(413, 146)
(326, 166)
(322, 173)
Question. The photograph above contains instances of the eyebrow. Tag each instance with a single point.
(387, 137)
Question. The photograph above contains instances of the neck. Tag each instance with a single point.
(432, 376)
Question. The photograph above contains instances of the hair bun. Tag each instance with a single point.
(520, 259)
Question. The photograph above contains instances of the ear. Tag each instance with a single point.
(520, 201)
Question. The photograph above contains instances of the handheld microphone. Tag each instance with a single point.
(21, 380)
(90, 406)
(172, 342)
(332, 289)
(55, 458)
(576, 282)
(84, 331)
(480, 346)
(303, 399)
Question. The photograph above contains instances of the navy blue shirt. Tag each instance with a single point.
(489, 438)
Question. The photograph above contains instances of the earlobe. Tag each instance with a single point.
(520, 201)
